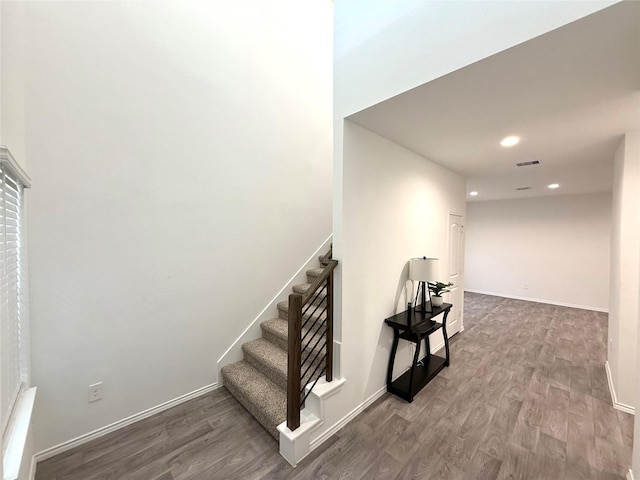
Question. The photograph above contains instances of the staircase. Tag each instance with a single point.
(259, 381)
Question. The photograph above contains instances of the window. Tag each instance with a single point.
(14, 356)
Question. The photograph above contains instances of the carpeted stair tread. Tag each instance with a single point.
(276, 331)
(268, 358)
(312, 311)
(319, 295)
(314, 273)
(259, 381)
(265, 400)
(302, 288)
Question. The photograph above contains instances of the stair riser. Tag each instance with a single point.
(318, 298)
(312, 275)
(280, 378)
(274, 375)
(275, 339)
(284, 315)
(253, 409)
(303, 288)
(259, 382)
(281, 339)
(283, 311)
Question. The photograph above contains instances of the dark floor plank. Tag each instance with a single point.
(525, 397)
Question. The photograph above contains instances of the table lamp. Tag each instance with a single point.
(423, 270)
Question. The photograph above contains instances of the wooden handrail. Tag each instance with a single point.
(328, 270)
(297, 302)
(327, 256)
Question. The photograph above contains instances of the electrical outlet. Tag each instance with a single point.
(95, 392)
(526, 286)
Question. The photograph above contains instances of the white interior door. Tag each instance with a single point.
(456, 273)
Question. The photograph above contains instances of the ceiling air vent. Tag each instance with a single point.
(526, 164)
(523, 188)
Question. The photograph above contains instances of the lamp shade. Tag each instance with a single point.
(423, 269)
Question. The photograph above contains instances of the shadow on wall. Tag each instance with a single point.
(403, 286)
(377, 376)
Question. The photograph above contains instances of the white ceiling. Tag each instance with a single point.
(569, 94)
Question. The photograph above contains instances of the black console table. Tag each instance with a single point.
(416, 328)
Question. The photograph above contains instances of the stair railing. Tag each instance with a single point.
(310, 341)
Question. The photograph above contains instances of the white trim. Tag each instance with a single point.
(7, 159)
(462, 275)
(100, 432)
(296, 445)
(360, 408)
(32, 469)
(435, 348)
(18, 432)
(236, 347)
(614, 398)
(539, 300)
(318, 396)
(347, 418)
(630, 475)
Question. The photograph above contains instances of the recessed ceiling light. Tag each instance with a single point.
(473, 194)
(553, 185)
(510, 141)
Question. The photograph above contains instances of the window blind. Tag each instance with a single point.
(13, 328)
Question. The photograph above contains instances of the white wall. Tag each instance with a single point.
(1, 413)
(382, 49)
(398, 205)
(385, 48)
(636, 429)
(625, 271)
(176, 150)
(12, 80)
(12, 135)
(547, 249)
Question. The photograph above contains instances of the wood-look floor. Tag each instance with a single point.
(525, 397)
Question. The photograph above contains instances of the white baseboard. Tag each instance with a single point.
(100, 432)
(614, 398)
(18, 450)
(347, 418)
(630, 475)
(540, 300)
(296, 445)
(360, 408)
(439, 346)
(32, 469)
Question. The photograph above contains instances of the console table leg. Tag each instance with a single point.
(427, 344)
(446, 338)
(392, 357)
(416, 355)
